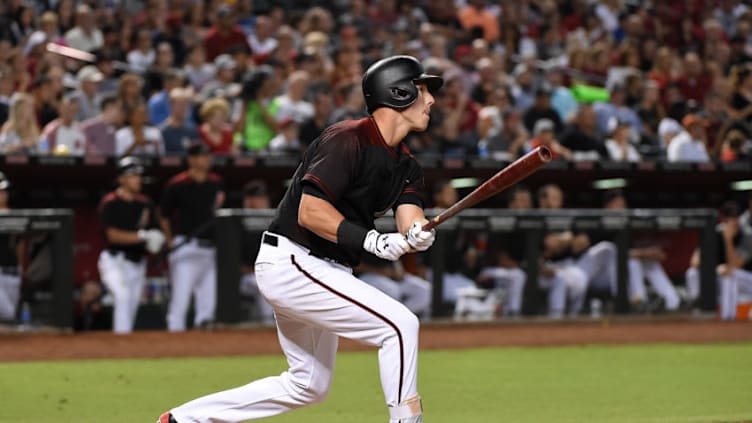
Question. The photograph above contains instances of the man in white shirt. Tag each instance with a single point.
(618, 146)
(85, 35)
(291, 103)
(262, 40)
(64, 135)
(691, 144)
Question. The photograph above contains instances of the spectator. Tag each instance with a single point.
(216, 131)
(159, 103)
(690, 145)
(223, 84)
(497, 100)
(668, 129)
(262, 40)
(138, 138)
(87, 97)
(63, 135)
(45, 101)
(651, 112)
(508, 144)
(353, 106)
(100, 130)
(618, 146)
(197, 69)
(258, 123)
(323, 104)
(178, 132)
(741, 102)
(129, 92)
(562, 99)
(6, 92)
(735, 147)
(616, 107)
(292, 103)
(164, 64)
(542, 109)
(583, 138)
(287, 140)
(20, 133)
(143, 55)
(85, 35)
(543, 135)
(224, 34)
(695, 81)
(475, 17)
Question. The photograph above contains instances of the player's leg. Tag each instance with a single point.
(183, 274)
(136, 274)
(692, 282)
(205, 288)
(599, 264)
(557, 294)
(636, 289)
(512, 281)
(659, 280)
(417, 294)
(310, 353)
(112, 273)
(577, 284)
(10, 289)
(728, 289)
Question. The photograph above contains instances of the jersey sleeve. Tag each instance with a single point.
(332, 166)
(167, 202)
(107, 214)
(414, 189)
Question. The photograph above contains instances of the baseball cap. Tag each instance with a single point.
(668, 126)
(89, 73)
(543, 90)
(692, 119)
(224, 61)
(542, 125)
(615, 123)
(255, 188)
(197, 149)
(130, 166)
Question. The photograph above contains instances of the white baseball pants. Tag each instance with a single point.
(10, 292)
(193, 271)
(412, 291)
(125, 280)
(730, 288)
(639, 270)
(315, 302)
(512, 282)
(567, 287)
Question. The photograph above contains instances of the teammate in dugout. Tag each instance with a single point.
(129, 228)
(10, 253)
(354, 172)
(187, 209)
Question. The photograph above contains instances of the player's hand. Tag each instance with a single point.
(153, 238)
(419, 239)
(390, 246)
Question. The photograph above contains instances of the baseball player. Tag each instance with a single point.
(735, 268)
(355, 171)
(186, 212)
(128, 220)
(10, 276)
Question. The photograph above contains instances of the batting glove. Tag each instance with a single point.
(419, 239)
(153, 238)
(389, 246)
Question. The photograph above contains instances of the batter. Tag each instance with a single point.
(354, 172)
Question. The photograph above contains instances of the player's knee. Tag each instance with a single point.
(315, 392)
(408, 324)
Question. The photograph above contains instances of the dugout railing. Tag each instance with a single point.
(55, 264)
(532, 224)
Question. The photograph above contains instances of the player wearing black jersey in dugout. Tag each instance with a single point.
(354, 172)
(127, 217)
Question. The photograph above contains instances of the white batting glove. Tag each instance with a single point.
(419, 239)
(389, 246)
(153, 238)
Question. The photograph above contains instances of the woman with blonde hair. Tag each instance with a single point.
(20, 134)
(216, 130)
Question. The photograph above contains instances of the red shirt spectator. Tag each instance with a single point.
(225, 36)
(216, 131)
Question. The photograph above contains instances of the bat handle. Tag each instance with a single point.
(431, 224)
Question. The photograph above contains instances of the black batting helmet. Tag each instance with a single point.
(4, 182)
(391, 82)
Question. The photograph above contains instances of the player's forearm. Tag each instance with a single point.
(406, 214)
(732, 259)
(119, 236)
(164, 223)
(319, 216)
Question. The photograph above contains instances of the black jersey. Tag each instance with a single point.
(115, 212)
(8, 252)
(359, 174)
(190, 205)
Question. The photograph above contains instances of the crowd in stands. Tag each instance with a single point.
(593, 79)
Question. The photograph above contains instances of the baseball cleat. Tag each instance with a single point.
(166, 418)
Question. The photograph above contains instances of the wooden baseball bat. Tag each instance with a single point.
(503, 179)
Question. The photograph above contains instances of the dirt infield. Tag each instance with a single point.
(27, 346)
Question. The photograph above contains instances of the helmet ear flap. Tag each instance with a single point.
(403, 95)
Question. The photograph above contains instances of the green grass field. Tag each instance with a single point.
(657, 383)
